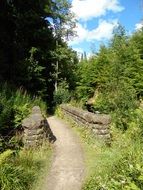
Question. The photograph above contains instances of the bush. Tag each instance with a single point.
(119, 101)
(119, 166)
(15, 105)
(62, 95)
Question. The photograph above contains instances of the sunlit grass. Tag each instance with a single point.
(24, 170)
(115, 167)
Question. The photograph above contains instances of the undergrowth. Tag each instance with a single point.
(115, 167)
(20, 169)
(15, 105)
(24, 170)
(119, 166)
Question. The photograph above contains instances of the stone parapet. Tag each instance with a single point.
(36, 129)
(98, 123)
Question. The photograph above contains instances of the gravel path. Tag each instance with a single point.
(67, 170)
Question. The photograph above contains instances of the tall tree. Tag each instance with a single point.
(27, 40)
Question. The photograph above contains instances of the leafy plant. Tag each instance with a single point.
(23, 170)
(62, 95)
(15, 105)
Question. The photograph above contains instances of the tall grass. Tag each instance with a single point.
(115, 167)
(23, 171)
(15, 105)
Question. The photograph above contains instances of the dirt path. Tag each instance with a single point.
(67, 171)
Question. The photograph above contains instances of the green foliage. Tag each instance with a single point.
(23, 104)
(22, 171)
(118, 166)
(5, 155)
(15, 105)
(62, 95)
(29, 35)
(86, 75)
(115, 72)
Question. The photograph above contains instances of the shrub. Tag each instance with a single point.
(15, 105)
(62, 95)
(119, 166)
(119, 101)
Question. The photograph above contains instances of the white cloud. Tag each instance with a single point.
(88, 9)
(79, 51)
(82, 33)
(139, 26)
(102, 32)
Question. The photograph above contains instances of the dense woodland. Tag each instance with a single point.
(34, 56)
(113, 77)
(38, 68)
(32, 42)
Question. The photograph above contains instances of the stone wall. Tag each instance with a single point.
(36, 129)
(98, 123)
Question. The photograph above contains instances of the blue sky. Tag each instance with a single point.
(97, 19)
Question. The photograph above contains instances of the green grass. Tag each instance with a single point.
(24, 170)
(115, 167)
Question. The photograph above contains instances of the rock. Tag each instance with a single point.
(36, 129)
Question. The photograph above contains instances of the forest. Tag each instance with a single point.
(37, 67)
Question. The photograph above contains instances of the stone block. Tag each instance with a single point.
(36, 129)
